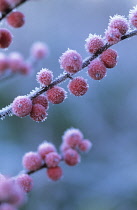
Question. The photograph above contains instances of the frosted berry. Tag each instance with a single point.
(4, 5)
(38, 113)
(71, 61)
(133, 16)
(78, 86)
(15, 61)
(44, 77)
(72, 137)
(64, 146)
(39, 50)
(25, 182)
(96, 69)
(56, 95)
(16, 19)
(54, 173)
(21, 106)
(5, 38)
(32, 161)
(71, 157)
(94, 43)
(42, 100)
(85, 145)
(4, 62)
(52, 159)
(109, 58)
(112, 35)
(45, 148)
(119, 22)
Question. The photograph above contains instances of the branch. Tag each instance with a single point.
(7, 111)
(10, 9)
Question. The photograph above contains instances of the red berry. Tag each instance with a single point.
(52, 159)
(42, 100)
(96, 69)
(5, 38)
(109, 58)
(45, 148)
(25, 182)
(78, 86)
(71, 157)
(71, 61)
(44, 77)
(85, 145)
(39, 50)
(21, 106)
(55, 173)
(56, 95)
(16, 19)
(119, 22)
(38, 113)
(4, 5)
(32, 161)
(15, 61)
(133, 16)
(112, 35)
(72, 137)
(94, 43)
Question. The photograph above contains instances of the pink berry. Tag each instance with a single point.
(25, 182)
(5, 38)
(25, 68)
(109, 58)
(11, 192)
(21, 106)
(78, 86)
(45, 148)
(52, 159)
(71, 61)
(54, 173)
(16, 19)
(44, 77)
(72, 137)
(4, 62)
(6, 206)
(96, 69)
(119, 22)
(15, 61)
(71, 157)
(133, 16)
(64, 146)
(42, 100)
(112, 35)
(32, 161)
(85, 145)
(38, 113)
(4, 5)
(94, 43)
(39, 50)
(56, 95)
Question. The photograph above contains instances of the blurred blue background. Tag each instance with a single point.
(106, 178)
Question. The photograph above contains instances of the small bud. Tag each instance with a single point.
(32, 161)
(78, 86)
(56, 95)
(96, 69)
(94, 43)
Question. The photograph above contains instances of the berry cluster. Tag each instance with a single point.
(13, 190)
(71, 61)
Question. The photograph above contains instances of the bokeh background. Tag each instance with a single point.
(106, 178)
